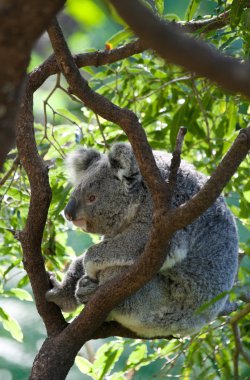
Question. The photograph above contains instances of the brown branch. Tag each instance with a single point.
(31, 236)
(175, 163)
(207, 25)
(95, 312)
(176, 47)
(97, 58)
(21, 23)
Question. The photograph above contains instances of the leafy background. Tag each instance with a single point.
(165, 97)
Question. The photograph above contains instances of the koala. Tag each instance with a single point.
(111, 198)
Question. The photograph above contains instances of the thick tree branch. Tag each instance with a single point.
(31, 236)
(21, 23)
(176, 47)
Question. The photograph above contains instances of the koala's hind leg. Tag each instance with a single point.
(63, 294)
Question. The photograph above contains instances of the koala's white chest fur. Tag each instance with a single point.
(175, 256)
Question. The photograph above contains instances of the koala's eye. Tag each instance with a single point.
(91, 198)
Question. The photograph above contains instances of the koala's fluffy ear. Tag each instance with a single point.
(122, 159)
(79, 161)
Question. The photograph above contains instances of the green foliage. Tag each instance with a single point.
(192, 8)
(11, 325)
(164, 97)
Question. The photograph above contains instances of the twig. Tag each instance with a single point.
(241, 314)
(175, 164)
(188, 77)
(101, 130)
(238, 343)
(13, 168)
(207, 25)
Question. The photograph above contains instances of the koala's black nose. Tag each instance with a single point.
(70, 210)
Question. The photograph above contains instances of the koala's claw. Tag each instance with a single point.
(85, 288)
(59, 295)
(53, 281)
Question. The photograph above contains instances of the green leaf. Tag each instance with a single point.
(246, 195)
(191, 9)
(120, 37)
(232, 117)
(23, 282)
(84, 365)
(85, 12)
(106, 357)
(11, 325)
(139, 353)
(19, 293)
(160, 6)
(237, 8)
(213, 301)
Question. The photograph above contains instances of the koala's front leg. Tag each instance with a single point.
(85, 288)
(63, 294)
(118, 251)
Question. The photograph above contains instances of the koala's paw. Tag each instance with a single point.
(85, 288)
(61, 296)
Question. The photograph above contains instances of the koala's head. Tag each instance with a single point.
(107, 189)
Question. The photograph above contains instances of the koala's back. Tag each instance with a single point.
(205, 255)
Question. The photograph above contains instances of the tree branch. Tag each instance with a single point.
(31, 236)
(176, 47)
(99, 58)
(21, 23)
(207, 25)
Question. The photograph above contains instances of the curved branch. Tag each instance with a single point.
(31, 236)
(176, 47)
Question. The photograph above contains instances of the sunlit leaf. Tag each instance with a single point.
(191, 9)
(159, 6)
(84, 365)
(11, 325)
(21, 294)
(120, 37)
(85, 11)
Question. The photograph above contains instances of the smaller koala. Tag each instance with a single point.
(110, 198)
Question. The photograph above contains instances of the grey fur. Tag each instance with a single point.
(203, 257)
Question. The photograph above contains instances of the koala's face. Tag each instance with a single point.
(106, 190)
